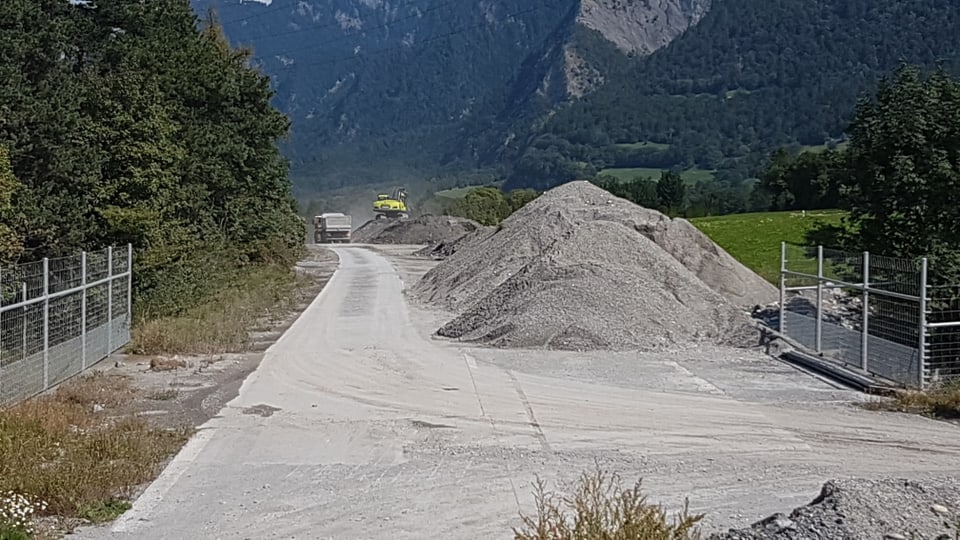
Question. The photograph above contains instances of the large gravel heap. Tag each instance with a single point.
(867, 510)
(578, 269)
(426, 229)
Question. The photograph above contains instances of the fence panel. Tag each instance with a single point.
(857, 309)
(60, 316)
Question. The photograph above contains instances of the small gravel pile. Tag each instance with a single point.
(442, 250)
(890, 509)
(580, 269)
(426, 229)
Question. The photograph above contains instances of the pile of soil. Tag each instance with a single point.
(426, 229)
(580, 269)
(866, 509)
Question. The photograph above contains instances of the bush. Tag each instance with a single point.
(601, 509)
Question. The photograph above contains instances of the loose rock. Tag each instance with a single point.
(858, 509)
(579, 269)
(426, 229)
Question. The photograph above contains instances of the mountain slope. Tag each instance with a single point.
(749, 76)
(376, 88)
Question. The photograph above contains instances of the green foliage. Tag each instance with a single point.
(810, 181)
(749, 77)
(671, 191)
(490, 205)
(690, 176)
(904, 169)
(129, 124)
(754, 239)
(10, 244)
(103, 511)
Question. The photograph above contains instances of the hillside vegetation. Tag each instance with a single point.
(749, 77)
(124, 122)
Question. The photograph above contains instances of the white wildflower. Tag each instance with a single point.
(17, 511)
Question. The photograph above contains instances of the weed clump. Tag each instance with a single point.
(600, 508)
(222, 324)
(940, 402)
(70, 449)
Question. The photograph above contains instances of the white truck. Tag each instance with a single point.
(332, 227)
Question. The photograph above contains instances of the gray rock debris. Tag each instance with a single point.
(580, 269)
(859, 509)
(426, 229)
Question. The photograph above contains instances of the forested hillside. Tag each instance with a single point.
(379, 90)
(130, 122)
(750, 76)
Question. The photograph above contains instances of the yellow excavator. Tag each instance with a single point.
(391, 206)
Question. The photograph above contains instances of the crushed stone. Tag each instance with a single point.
(867, 509)
(426, 229)
(445, 248)
(580, 269)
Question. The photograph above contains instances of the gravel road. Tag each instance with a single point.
(358, 425)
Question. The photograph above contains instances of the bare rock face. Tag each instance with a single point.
(641, 26)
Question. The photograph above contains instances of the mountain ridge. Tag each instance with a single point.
(416, 82)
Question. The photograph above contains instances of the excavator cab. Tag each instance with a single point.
(392, 206)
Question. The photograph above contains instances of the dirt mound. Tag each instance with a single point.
(581, 269)
(866, 509)
(426, 229)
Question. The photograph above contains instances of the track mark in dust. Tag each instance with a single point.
(533, 419)
(430, 425)
(261, 410)
(472, 365)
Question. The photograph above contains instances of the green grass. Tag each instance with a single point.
(690, 176)
(643, 144)
(817, 148)
(754, 239)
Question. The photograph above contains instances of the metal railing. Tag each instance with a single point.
(876, 314)
(60, 316)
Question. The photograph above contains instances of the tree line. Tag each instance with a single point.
(135, 122)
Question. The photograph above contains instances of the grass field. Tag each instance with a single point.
(754, 239)
(821, 147)
(690, 176)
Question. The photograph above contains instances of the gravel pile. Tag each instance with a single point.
(442, 250)
(580, 269)
(426, 229)
(891, 509)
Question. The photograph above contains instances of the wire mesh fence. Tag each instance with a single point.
(61, 316)
(874, 313)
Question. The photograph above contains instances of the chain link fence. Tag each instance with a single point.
(60, 316)
(872, 313)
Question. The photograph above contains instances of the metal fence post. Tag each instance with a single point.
(865, 335)
(46, 323)
(109, 300)
(783, 288)
(83, 310)
(1, 340)
(23, 353)
(921, 354)
(818, 336)
(129, 286)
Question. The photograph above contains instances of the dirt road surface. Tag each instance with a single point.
(358, 425)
